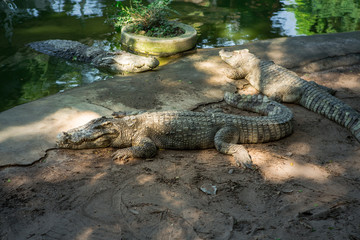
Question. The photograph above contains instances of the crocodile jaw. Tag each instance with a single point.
(74, 141)
(127, 62)
(235, 58)
(95, 134)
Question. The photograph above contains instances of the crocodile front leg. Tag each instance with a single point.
(225, 142)
(142, 147)
(234, 73)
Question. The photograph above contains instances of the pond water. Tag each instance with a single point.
(26, 75)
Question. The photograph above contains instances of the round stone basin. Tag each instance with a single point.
(161, 47)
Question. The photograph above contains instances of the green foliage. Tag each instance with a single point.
(150, 20)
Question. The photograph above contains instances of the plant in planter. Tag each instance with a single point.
(150, 20)
(146, 29)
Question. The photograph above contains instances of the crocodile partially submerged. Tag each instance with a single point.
(139, 136)
(116, 62)
(284, 85)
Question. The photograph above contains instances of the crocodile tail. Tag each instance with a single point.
(259, 104)
(320, 101)
(276, 124)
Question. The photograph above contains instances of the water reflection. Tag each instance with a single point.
(80, 8)
(7, 9)
(308, 17)
(32, 76)
(285, 21)
(229, 22)
(16, 11)
(87, 8)
(57, 5)
(77, 8)
(27, 75)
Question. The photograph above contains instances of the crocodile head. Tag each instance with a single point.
(127, 62)
(100, 132)
(237, 58)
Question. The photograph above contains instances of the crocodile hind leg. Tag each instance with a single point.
(225, 142)
(142, 148)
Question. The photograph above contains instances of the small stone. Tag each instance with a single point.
(231, 171)
(287, 191)
(209, 189)
(289, 154)
(134, 211)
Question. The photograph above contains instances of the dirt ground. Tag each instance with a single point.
(306, 186)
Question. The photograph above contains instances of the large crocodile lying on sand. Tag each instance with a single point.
(140, 135)
(284, 85)
(116, 62)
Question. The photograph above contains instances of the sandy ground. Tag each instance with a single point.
(305, 186)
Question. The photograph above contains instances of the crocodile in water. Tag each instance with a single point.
(284, 85)
(140, 135)
(116, 62)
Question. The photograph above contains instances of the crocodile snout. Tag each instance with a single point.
(225, 54)
(153, 62)
(62, 139)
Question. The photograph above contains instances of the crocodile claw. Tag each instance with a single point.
(248, 165)
(244, 160)
(121, 156)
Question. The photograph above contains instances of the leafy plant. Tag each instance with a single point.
(150, 20)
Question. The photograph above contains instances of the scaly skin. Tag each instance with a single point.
(284, 85)
(116, 62)
(140, 135)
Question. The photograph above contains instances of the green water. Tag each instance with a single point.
(26, 75)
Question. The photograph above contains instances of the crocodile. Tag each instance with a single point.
(116, 62)
(283, 85)
(140, 135)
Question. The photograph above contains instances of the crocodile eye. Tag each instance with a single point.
(101, 125)
(106, 124)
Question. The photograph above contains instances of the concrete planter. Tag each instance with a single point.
(159, 46)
